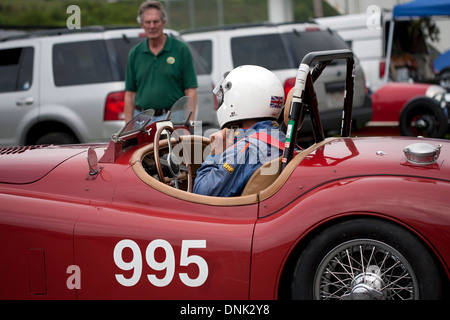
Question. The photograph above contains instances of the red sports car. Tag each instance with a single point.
(347, 218)
(409, 109)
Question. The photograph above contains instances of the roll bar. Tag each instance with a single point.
(304, 98)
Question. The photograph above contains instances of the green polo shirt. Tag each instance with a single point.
(159, 81)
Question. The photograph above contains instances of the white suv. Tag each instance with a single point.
(61, 86)
(280, 48)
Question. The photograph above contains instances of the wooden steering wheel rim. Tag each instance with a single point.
(169, 143)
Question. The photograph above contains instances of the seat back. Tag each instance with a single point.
(267, 173)
(263, 177)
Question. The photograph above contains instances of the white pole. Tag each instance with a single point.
(389, 50)
(280, 11)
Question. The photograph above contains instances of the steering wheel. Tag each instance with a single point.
(179, 172)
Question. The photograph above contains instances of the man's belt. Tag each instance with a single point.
(158, 112)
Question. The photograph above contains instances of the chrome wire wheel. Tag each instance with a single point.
(366, 258)
(365, 269)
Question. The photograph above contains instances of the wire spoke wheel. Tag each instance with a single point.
(365, 269)
(366, 259)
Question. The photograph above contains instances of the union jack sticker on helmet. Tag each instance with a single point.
(276, 102)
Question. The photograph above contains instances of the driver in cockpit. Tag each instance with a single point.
(250, 99)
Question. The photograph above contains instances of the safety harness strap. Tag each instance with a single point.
(268, 139)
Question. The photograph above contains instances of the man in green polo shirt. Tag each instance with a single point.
(160, 70)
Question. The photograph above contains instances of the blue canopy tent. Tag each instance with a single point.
(422, 8)
(416, 8)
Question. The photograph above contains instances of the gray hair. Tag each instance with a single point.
(150, 4)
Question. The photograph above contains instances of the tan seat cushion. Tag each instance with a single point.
(263, 177)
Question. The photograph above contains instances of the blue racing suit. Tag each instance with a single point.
(226, 174)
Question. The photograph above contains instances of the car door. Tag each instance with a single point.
(19, 99)
(150, 245)
(36, 247)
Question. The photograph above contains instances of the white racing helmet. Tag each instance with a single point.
(248, 92)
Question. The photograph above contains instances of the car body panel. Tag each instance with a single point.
(389, 100)
(336, 201)
(37, 246)
(343, 158)
(99, 221)
(228, 242)
(82, 218)
(20, 169)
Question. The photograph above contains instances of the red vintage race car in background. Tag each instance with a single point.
(347, 218)
(409, 109)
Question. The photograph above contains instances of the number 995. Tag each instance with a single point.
(168, 264)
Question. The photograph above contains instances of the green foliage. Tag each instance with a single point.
(53, 12)
(123, 12)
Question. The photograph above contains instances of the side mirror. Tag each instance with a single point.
(92, 160)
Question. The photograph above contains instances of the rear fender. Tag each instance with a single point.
(415, 203)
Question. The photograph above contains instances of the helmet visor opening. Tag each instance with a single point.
(220, 88)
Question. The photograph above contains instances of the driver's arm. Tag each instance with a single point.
(226, 174)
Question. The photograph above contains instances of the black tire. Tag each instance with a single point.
(396, 264)
(423, 117)
(57, 138)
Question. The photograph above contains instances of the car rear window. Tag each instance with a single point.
(302, 43)
(282, 51)
(119, 49)
(200, 64)
(16, 69)
(204, 49)
(77, 63)
(265, 50)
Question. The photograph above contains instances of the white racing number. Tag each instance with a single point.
(168, 264)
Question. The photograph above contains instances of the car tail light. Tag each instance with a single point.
(382, 69)
(114, 106)
(288, 85)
